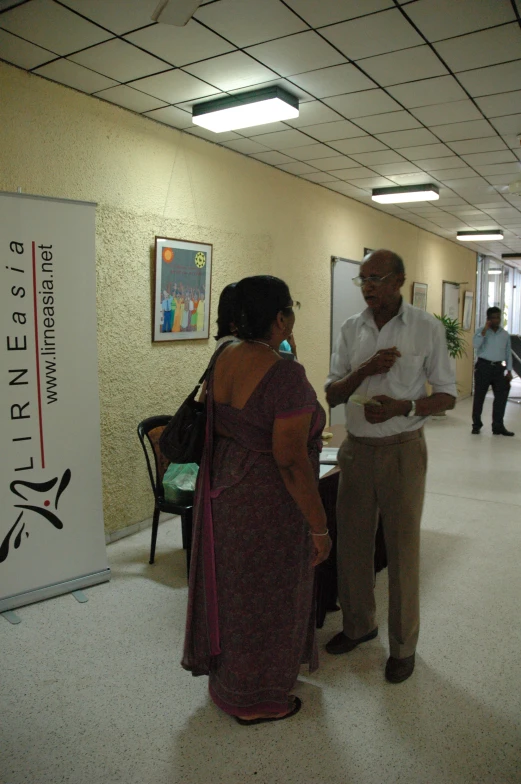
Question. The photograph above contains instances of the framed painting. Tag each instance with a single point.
(468, 306)
(182, 284)
(419, 295)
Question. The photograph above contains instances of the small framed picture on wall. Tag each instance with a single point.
(468, 306)
(182, 282)
(419, 295)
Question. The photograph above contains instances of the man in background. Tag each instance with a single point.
(385, 354)
(492, 344)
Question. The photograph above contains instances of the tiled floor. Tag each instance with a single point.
(94, 694)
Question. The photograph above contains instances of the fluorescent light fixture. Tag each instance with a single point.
(403, 193)
(495, 272)
(511, 256)
(477, 236)
(257, 107)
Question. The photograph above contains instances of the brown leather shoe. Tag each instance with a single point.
(398, 670)
(343, 644)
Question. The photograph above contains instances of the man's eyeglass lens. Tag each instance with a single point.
(374, 279)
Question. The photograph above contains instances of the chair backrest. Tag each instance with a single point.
(149, 431)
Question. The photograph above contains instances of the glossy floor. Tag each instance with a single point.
(94, 694)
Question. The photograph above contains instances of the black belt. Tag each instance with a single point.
(489, 361)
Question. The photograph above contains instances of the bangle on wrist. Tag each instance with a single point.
(314, 533)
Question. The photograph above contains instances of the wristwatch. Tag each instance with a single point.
(412, 412)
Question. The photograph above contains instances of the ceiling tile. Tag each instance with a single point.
(52, 26)
(311, 152)
(372, 182)
(246, 146)
(354, 173)
(119, 16)
(390, 121)
(180, 45)
(174, 87)
(382, 156)
(486, 158)
(357, 145)
(508, 125)
(403, 167)
(499, 168)
(297, 167)
(450, 174)
(210, 136)
(119, 60)
(494, 79)
(130, 98)
(412, 179)
(73, 75)
(266, 128)
(500, 104)
(496, 45)
(312, 113)
(415, 137)
(170, 115)
(455, 111)
(397, 67)
(334, 80)
(283, 140)
(231, 71)
(328, 12)
(21, 53)
(346, 189)
(367, 36)
(332, 131)
(363, 104)
(320, 177)
(296, 54)
(431, 164)
(247, 22)
(447, 18)
(488, 144)
(273, 158)
(424, 92)
(426, 151)
(464, 130)
(333, 164)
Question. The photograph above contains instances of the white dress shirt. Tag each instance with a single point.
(420, 338)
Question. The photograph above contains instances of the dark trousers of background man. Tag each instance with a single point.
(490, 374)
(386, 476)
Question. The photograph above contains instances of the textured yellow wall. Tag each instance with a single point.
(149, 179)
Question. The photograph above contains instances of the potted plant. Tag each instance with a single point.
(456, 342)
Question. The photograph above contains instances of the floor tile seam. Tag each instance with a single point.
(473, 498)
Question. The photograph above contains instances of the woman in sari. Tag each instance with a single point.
(259, 524)
(200, 314)
(178, 313)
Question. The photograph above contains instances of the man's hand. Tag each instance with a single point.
(509, 376)
(381, 362)
(487, 326)
(388, 408)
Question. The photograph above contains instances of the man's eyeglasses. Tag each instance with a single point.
(293, 304)
(376, 280)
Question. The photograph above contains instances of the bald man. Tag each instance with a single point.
(384, 355)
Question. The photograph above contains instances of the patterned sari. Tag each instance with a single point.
(250, 619)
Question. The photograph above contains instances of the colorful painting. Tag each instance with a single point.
(183, 273)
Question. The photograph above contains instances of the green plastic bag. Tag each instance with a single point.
(179, 482)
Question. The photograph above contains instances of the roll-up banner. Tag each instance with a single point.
(51, 516)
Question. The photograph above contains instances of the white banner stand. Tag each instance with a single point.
(51, 519)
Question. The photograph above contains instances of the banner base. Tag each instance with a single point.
(57, 589)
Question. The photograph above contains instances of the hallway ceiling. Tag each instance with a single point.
(392, 92)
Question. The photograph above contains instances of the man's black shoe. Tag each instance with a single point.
(398, 670)
(476, 431)
(343, 644)
(503, 432)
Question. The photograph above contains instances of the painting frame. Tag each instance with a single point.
(182, 273)
(468, 307)
(419, 295)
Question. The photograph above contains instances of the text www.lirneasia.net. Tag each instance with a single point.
(48, 343)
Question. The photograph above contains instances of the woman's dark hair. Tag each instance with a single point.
(226, 311)
(258, 301)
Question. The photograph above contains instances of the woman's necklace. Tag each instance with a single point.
(266, 345)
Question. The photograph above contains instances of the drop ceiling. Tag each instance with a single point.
(392, 93)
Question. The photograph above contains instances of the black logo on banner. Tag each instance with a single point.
(33, 493)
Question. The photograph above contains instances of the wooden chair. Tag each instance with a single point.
(149, 432)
